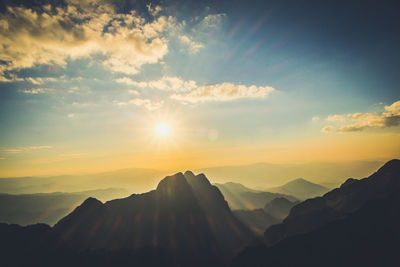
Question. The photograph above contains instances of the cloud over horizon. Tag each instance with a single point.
(356, 122)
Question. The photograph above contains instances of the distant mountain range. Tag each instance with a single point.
(257, 220)
(267, 175)
(280, 207)
(48, 207)
(240, 197)
(357, 222)
(260, 175)
(301, 189)
(134, 179)
(186, 221)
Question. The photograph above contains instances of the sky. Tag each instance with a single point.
(84, 85)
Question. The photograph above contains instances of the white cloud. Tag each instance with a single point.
(36, 91)
(129, 81)
(174, 84)
(193, 46)
(142, 102)
(165, 83)
(315, 118)
(212, 20)
(190, 91)
(336, 118)
(360, 121)
(79, 30)
(40, 80)
(154, 10)
(327, 129)
(10, 77)
(224, 92)
(133, 92)
(147, 103)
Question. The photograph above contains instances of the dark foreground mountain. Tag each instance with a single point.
(184, 222)
(301, 189)
(38, 245)
(354, 225)
(240, 197)
(338, 203)
(368, 237)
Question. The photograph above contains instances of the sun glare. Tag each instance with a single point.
(163, 129)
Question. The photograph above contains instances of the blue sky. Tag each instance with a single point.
(86, 82)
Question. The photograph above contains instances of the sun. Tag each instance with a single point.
(163, 129)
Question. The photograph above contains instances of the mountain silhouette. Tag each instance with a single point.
(240, 197)
(301, 189)
(184, 216)
(351, 196)
(185, 221)
(354, 225)
(368, 237)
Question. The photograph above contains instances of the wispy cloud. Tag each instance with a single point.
(154, 10)
(129, 81)
(190, 91)
(147, 103)
(165, 83)
(193, 46)
(40, 80)
(224, 92)
(36, 91)
(24, 149)
(355, 122)
(142, 102)
(72, 155)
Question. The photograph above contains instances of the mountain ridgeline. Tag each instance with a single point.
(301, 189)
(240, 197)
(185, 221)
(354, 225)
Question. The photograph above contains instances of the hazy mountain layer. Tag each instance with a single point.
(240, 197)
(48, 207)
(301, 189)
(266, 175)
(279, 207)
(134, 180)
(257, 220)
